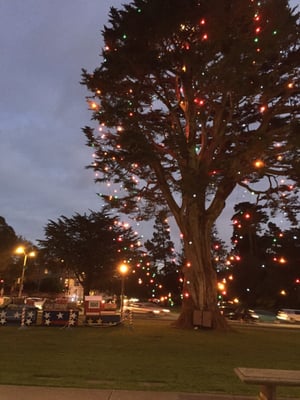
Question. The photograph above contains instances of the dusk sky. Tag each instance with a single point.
(44, 44)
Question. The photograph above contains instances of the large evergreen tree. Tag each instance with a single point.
(193, 99)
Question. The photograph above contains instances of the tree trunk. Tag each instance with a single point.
(200, 280)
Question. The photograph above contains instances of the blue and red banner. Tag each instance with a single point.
(60, 318)
(15, 314)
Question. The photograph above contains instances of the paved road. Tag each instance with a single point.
(8, 392)
(271, 325)
(50, 393)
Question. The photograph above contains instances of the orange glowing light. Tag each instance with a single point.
(282, 260)
(94, 106)
(259, 164)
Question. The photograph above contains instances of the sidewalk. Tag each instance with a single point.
(10, 392)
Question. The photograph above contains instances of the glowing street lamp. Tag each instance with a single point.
(21, 250)
(123, 269)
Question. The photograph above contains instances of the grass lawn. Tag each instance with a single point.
(150, 356)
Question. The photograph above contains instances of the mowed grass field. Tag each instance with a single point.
(150, 355)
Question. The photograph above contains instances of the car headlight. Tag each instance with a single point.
(282, 316)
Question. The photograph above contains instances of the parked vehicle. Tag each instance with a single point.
(288, 315)
(227, 310)
(37, 302)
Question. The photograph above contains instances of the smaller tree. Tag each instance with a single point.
(249, 254)
(247, 225)
(161, 246)
(282, 271)
(8, 242)
(10, 263)
(162, 253)
(92, 246)
(265, 260)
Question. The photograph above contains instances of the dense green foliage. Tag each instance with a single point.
(91, 248)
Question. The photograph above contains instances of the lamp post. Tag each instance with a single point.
(21, 250)
(123, 269)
